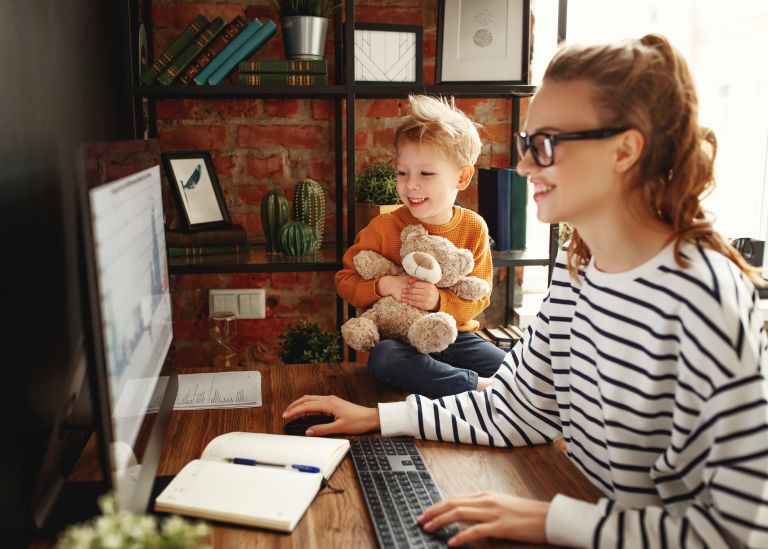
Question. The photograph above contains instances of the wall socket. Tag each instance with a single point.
(244, 303)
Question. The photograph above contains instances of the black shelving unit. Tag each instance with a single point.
(344, 92)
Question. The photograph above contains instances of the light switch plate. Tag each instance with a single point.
(244, 303)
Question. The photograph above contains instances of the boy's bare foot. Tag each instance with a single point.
(483, 383)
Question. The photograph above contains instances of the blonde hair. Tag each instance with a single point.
(645, 84)
(438, 122)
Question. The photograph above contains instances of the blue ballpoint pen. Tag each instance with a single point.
(300, 468)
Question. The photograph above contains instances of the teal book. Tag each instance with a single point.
(183, 40)
(267, 30)
(283, 80)
(190, 52)
(243, 37)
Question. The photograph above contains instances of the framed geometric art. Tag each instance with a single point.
(388, 54)
(483, 41)
(196, 190)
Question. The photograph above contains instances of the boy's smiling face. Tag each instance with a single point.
(428, 182)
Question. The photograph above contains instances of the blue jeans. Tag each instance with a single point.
(449, 372)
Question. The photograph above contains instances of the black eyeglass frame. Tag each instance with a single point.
(524, 141)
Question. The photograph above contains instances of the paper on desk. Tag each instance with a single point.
(196, 392)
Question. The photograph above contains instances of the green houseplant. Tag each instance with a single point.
(304, 342)
(305, 25)
(376, 192)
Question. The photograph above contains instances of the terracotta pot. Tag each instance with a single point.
(364, 213)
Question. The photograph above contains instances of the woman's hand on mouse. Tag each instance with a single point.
(351, 418)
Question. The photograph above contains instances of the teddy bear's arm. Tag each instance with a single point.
(370, 265)
(471, 288)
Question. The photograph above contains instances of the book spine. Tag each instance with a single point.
(189, 53)
(518, 206)
(266, 32)
(183, 40)
(211, 50)
(493, 203)
(191, 251)
(241, 38)
(318, 66)
(288, 80)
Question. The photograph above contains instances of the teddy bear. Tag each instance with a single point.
(426, 257)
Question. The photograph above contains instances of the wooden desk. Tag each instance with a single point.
(341, 520)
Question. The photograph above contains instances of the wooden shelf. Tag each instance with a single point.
(235, 91)
(519, 258)
(373, 90)
(255, 260)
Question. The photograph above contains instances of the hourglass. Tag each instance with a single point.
(222, 326)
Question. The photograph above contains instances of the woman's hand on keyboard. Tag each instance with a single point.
(351, 419)
(501, 516)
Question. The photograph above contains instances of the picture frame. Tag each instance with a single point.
(388, 54)
(483, 41)
(196, 190)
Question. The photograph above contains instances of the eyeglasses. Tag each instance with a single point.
(542, 145)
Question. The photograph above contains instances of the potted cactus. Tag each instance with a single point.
(376, 193)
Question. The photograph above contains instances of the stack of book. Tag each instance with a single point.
(206, 52)
(284, 73)
(228, 240)
(504, 337)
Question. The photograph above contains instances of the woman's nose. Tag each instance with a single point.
(526, 165)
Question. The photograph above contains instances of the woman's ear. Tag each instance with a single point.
(465, 176)
(629, 149)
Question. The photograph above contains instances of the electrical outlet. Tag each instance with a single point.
(244, 303)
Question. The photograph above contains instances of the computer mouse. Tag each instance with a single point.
(300, 425)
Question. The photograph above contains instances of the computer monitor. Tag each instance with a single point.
(128, 392)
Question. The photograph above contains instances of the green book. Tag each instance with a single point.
(183, 40)
(193, 251)
(319, 66)
(284, 80)
(519, 204)
(190, 52)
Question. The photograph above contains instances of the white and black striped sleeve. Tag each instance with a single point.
(519, 409)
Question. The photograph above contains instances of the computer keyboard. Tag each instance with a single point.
(397, 488)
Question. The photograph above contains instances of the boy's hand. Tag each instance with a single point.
(393, 285)
(422, 295)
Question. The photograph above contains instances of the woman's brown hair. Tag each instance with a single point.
(645, 84)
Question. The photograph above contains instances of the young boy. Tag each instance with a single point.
(437, 146)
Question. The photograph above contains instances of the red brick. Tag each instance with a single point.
(173, 109)
(470, 106)
(496, 133)
(361, 138)
(282, 108)
(321, 170)
(384, 138)
(290, 136)
(247, 280)
(500, 160)
(322, 110)
(228, 109)
(191, 330)
(252, 223)
(283, 281)
(376, 14)
(252, 194)
(271, 166)
(179, 15)
(179, 282)
(199, 138)
(383, 108)
(224, 165)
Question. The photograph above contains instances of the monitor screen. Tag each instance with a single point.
(131, 329)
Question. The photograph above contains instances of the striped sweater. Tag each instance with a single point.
(656, 380)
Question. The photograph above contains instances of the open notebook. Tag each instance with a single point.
(269, 496)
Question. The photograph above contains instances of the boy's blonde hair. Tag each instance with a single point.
(438, 122)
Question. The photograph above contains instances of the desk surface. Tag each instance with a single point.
(341, 520)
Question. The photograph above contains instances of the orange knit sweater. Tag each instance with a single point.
(466, 229)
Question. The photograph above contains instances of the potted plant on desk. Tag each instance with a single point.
(305, 24)
(376, 193)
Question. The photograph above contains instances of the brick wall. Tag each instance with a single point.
(260, 145)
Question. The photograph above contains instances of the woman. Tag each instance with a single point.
(647, 356)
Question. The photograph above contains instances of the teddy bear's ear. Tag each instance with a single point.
(466, 261)
(412, 231)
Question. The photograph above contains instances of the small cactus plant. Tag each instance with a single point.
(274, 214)
(297, 238)
(309, 207)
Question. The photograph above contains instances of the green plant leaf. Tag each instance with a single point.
(377, 185)
(304, 342)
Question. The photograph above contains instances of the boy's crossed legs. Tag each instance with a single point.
(465, 365)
